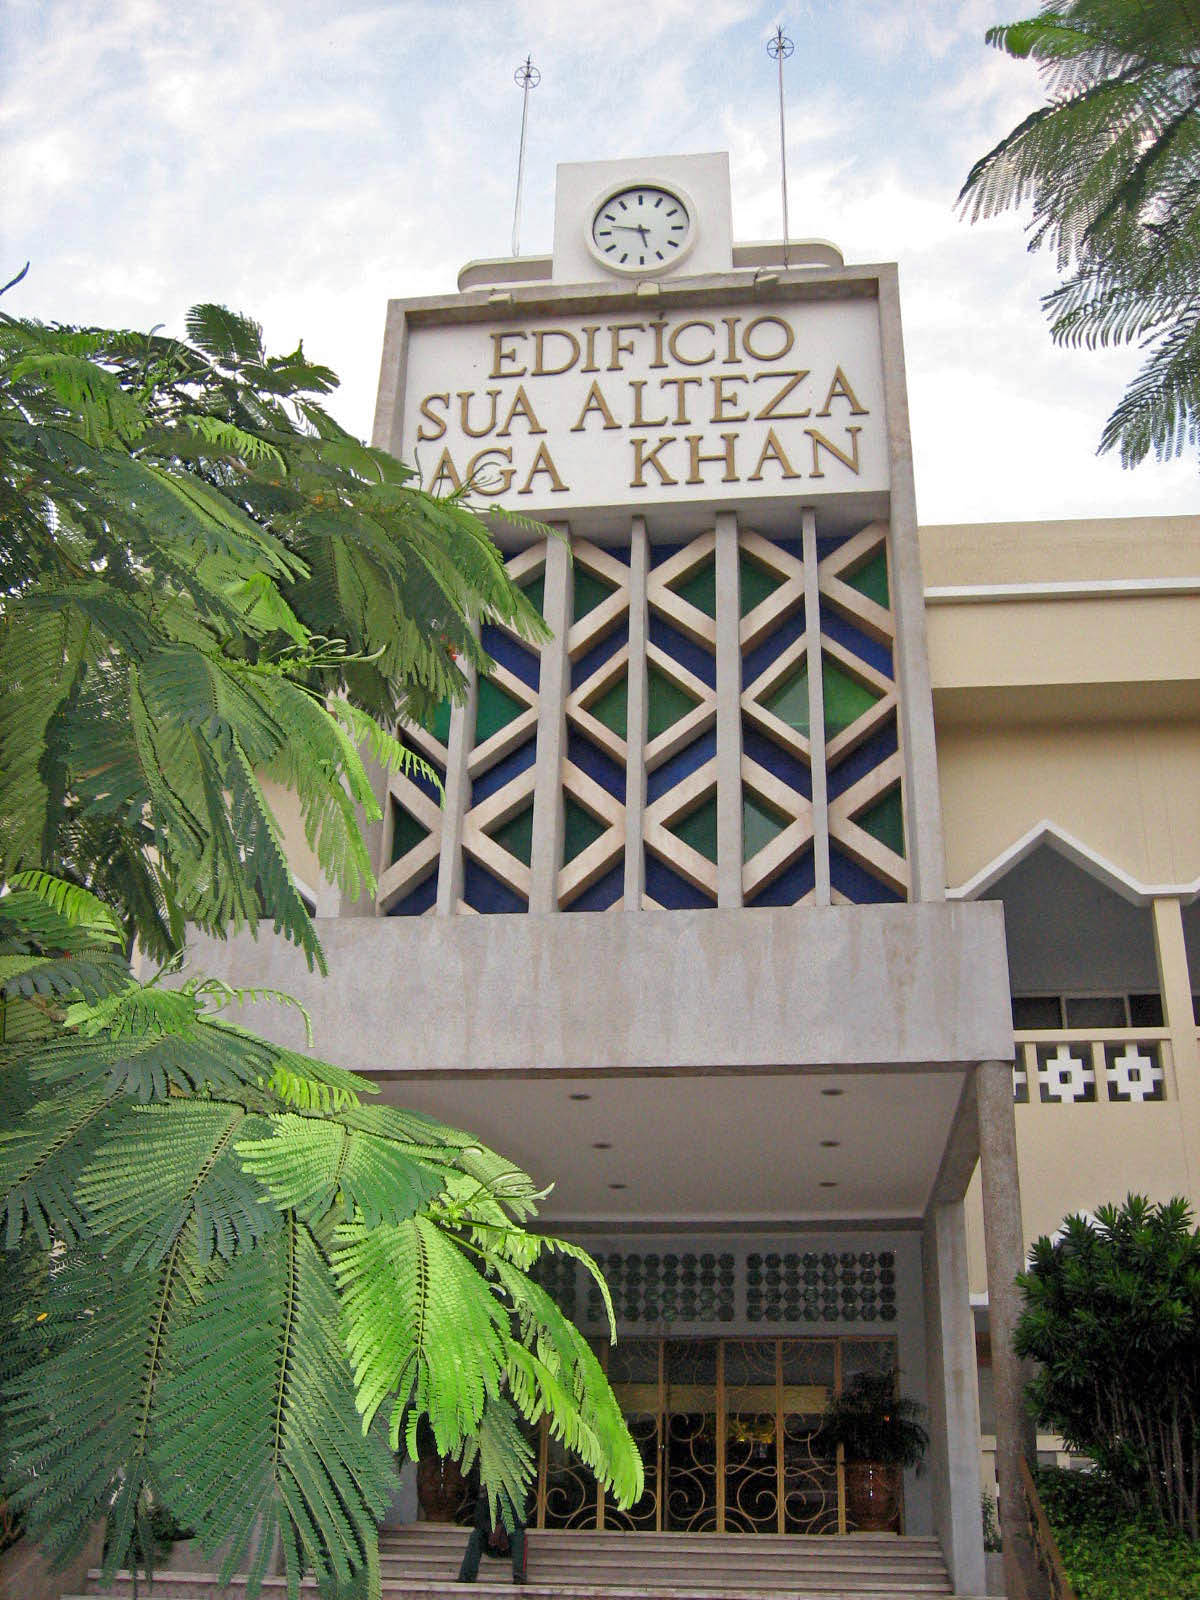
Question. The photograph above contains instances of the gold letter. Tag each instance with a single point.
(619, 349)
(841, 386)
(543, 462)
(643, 458)
(850, 461)
(639, 421)
(520, 407)
(688, 361)
(438, 422)
(595, 402)
(772, 450)
(477, 464)
(500, 355)
(681, 417)
(540, 369)
(445, 469)
(761, 355)
(769, 412)
(465, 396)
(731, 339)
(658, 329)
(721, 399)
(695, 440)
(589, 360)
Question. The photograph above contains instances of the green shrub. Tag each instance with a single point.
(1112, 1318)
(1109, 1554)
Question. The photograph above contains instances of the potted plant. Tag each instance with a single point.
(880, 1433)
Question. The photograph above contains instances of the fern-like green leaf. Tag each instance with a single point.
(255, 1420)
(161, 1169)
(421, 1326)
(308, 1165)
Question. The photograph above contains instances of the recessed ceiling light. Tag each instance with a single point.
(588, 1096)
(829, 1183)
(617, 1186)
(833, 1091)
(601, 1144)
(830, 1144)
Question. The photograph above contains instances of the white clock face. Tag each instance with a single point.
(641, 229)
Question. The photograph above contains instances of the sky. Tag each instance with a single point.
(306, 162)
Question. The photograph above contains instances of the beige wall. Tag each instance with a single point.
(1080, 710)
(1129, 792)
(1074, 1158)
(302, 857)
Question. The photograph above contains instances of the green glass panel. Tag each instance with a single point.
(760, 824)
(407, 832)
(495, 708)
(612, 707)
(789, 701)
(756, 584)
(699, 829)
(590, 591)
(872, 580)
(580, 829)
(516, 836)
(439, 723)
(535, 592)
(885, 821)
(845, 698)
(667, 703)
(700, 590)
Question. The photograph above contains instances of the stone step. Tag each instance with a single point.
(203, 1586)
(420, 1562)
(635, 1586)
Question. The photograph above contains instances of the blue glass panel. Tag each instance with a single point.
(420, 781)
(605, 892)
(521, 662)
(417, 900)
(663, 552)
(619, 552)
(680, 648)
(682, 765)
(859, 762)
(781, 764)
(670, 890)
(792, 884)
(857, 885)
(601, 768)
(765, 651)
(599, 653)
(827, 543)
(487, 894)
(519, 760)
(855, 640)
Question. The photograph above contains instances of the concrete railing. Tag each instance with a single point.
(1076, 1066)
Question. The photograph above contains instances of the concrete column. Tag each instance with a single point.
(1004, 1246)
(1175, 987)
(953, 1397)
(635, 718)
(729, 714)
(457, 800)
(547, 848)
(816, 708)
(923, 803)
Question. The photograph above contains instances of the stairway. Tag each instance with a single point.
(420, 1562)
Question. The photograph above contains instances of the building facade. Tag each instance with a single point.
(687, 934)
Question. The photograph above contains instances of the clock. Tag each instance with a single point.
(641, 228)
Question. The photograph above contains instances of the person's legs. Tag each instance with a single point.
(470, 1560)
(517, 1540)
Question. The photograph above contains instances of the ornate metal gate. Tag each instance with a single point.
(726, 1428)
